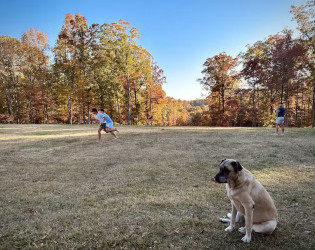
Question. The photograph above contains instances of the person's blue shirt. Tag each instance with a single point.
(281, 112)
(108, 120)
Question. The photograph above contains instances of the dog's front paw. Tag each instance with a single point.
(229, 229)
(246, 239)
(242, 230)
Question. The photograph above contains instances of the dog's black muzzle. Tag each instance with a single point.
(220, 178)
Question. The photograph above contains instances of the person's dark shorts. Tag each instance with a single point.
(103, 126)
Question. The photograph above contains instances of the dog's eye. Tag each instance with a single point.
(226, 171)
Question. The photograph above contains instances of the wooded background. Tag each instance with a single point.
(103, 66)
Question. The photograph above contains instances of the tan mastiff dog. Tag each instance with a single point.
(249, 198)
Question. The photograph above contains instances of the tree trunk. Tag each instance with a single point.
(9, 105)
(302, 117)
(30, 107)
(219, 101)
(77, 109)
(308, 110)
(18, 113)
(69, 103)
(88, 112)
(241, 107)
(296, 107)
(253, 110)
(135, 91)
(128, 110)
(45, 120)
(88, 98)
(45, 113)
(118, 109)
(83, 108)
(287, 104)
(147, 103)
(58, 104)
(223, 100)
(271, 102)
(150, 101)
(282, 88)
(17, 101)
(111, 108)
(258, 109)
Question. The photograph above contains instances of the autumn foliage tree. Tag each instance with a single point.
(220, 79)
(73, 52)
(11, 78)
(35, 70)
(305, 18)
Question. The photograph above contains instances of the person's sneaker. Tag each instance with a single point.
(281, 134)
(275, 134)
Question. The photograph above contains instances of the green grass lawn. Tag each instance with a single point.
(149, 188)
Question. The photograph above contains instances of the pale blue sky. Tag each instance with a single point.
(179, 34)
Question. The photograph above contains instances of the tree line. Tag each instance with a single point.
(103, 65)
(96, 65)
(90, 66)
(245, 91)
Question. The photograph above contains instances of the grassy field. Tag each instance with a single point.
(150, 188)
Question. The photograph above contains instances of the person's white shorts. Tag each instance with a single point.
(109, 125)
(280, 120)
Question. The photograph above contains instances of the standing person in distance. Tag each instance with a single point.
(280, 119)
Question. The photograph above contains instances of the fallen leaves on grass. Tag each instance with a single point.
(32, 211)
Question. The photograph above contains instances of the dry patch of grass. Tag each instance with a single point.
(148, 189)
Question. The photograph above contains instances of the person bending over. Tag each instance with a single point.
(102, 120)
(109, 124)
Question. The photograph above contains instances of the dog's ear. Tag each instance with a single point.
(237, 166)
(223, 160)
